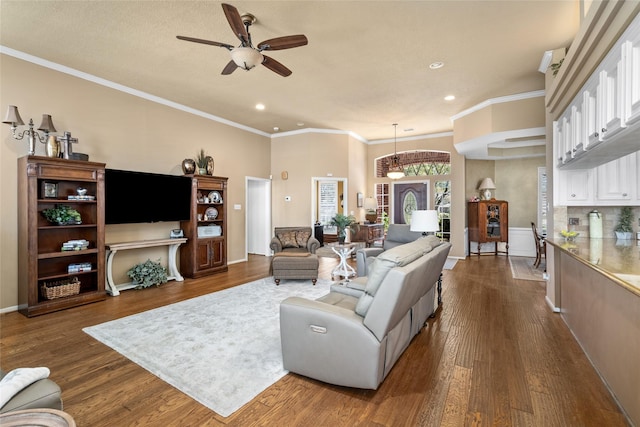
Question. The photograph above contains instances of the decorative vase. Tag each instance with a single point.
(202, 171)
(342, 236)
(52, 147)
(209, 167)
(188, 166)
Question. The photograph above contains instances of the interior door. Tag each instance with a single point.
(408, 197)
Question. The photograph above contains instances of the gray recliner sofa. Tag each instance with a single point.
(397, 234)
(43, 393)
(355, 334)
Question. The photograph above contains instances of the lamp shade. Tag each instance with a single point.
(246, 57)
(370, 204)
(47, 124)
(13, 116)
(424, 221)
(487, 184)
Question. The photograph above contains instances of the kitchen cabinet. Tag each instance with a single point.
(613, 180)
(602, 123)
(616, 183)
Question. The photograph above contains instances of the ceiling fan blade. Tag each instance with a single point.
(286, 42)
(275, 66)
(235, 21)
(210, 42)
(229, 68)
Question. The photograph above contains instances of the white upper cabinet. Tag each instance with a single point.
(616, 180)
(631, 59)
(610, 95)
(602, 123)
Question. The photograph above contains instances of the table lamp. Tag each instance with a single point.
(425, 221)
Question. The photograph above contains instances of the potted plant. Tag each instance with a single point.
(342, 222)
(62, 215)
(623, 229)
(148, 273)
(201, 162)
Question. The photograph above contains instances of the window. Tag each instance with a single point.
(417, 163)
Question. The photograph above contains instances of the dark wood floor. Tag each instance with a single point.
(494, 355)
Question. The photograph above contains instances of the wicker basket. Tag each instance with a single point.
(60, 288)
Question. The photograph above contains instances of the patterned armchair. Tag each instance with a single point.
(294, 239)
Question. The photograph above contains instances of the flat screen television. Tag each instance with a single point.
(138, 197)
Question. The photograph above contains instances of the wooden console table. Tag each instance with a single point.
(369, 233)
(113, 248)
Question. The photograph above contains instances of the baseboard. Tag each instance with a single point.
(8, 309)
(551, 305)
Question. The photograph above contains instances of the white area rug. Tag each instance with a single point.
(221, 349)
(450, 263)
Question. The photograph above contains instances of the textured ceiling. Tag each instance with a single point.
(366, 65)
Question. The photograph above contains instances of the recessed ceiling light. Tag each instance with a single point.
(436, 65)
(449, 98)
(300, 124)
(276, 128)
(259, 106)
(408, 130)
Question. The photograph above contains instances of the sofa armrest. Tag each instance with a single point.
(361, 259)
(275, 245)
(350, 288)
(312, 245)
(329, 343)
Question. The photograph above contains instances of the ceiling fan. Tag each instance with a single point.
(246, 56)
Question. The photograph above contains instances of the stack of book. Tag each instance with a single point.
(79, 267)
(78, 197)
(75, 245)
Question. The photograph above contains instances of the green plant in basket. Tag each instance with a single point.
(62, 214)
(147, 274)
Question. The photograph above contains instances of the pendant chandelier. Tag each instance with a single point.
(396, 171)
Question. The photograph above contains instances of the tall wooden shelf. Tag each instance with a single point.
(205, 252)
(40, 257)
(488, 222)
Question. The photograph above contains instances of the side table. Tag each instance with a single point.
(343, 251)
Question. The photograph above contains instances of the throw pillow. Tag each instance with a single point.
(288, 239)
(302, 237)
(19, 379)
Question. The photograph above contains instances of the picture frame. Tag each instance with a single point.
(49, 190)
(360, 199)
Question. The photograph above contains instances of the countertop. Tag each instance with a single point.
(617, 259)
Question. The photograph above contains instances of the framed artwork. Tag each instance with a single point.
(360, 199)
(49, 190)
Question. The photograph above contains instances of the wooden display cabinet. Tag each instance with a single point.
(43, 183)
(206, 250)
(488, 222)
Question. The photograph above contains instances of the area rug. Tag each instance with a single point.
(522, 268)
(221, 349)
(450, 263)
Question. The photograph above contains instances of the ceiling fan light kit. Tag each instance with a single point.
(246, 56)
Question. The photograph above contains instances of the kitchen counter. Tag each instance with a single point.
(597, 290)
(619, 260)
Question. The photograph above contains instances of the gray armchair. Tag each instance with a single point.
(397, 234)
(294, 239)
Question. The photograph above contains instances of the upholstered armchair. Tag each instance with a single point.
(294, 239)
(397, 234)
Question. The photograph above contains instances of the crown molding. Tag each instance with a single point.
(121, 88)
(499, 100)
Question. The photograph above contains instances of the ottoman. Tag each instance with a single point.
(294, 266)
